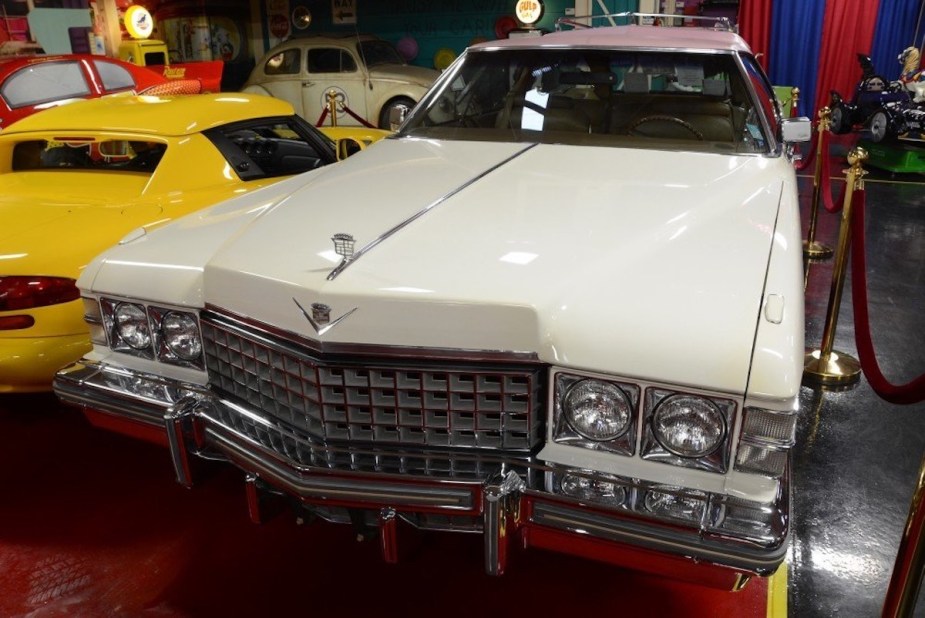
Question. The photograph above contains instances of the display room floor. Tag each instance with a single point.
(93, 524)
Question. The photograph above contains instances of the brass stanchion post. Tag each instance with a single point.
(332, 106)
(903, 591)
(811, 249)
(825, 366)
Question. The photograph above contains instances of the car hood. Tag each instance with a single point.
(404, 73)
(633, 262)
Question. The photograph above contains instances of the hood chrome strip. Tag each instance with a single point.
(358, 254)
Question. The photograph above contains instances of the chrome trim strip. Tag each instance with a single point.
(372, 244)
(246, 326)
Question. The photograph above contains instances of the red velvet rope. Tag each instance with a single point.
(363, 122)
(911, 392)
(357, 118)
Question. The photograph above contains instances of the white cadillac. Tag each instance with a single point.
(562, 306)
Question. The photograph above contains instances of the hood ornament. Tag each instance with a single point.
(320, 316)
(343, 246)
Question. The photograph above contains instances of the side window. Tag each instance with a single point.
(268, 149)
(114, 76)
(284, 63)
(330, 60)
(41, 83)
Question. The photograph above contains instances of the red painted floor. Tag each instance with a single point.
(93, 524)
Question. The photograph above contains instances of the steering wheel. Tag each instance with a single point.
(663, 118)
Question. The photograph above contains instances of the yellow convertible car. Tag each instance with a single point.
(76, 179)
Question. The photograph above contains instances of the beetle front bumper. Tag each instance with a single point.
(505, 497)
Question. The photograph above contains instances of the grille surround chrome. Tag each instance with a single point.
(378, 400)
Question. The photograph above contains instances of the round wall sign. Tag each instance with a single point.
(528, 11)
(138, 22)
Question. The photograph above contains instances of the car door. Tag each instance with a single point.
(338, 70)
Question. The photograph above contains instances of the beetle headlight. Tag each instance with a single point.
(181, 335)
(131, 323)
(597, 410)
(688, 426)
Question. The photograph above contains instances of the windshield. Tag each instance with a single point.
(625, 98)
(379, 52)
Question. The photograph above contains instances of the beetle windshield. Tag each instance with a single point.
(632, 98)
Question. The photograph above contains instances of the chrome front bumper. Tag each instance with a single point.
(503, 496)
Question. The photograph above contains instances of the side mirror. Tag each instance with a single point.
(347, 146)
(794, 130)
(397, 116)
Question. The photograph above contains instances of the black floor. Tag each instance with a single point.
(857, 459)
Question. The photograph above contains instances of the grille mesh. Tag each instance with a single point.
(429, 406)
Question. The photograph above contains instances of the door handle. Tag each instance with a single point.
(306, 84)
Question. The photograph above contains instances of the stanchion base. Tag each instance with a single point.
(816, 251)
(839, 368)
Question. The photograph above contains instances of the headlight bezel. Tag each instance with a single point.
(157, 348)
(563, 432)
(110, 307)
(164, 350)
(652, 449)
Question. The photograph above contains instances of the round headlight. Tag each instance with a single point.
(688, 426)
(132, 325)
(597, 410)
(181, 335)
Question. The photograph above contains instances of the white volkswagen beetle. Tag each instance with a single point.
(366, 75)
(562, 307)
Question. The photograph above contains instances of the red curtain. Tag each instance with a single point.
(755, 28)
(848, 30)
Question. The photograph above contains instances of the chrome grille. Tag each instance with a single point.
(301, 449)
(489, 407)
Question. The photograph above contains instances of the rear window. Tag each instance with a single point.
(107, 155)
(43, 83)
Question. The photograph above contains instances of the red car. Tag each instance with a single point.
(32, 83)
